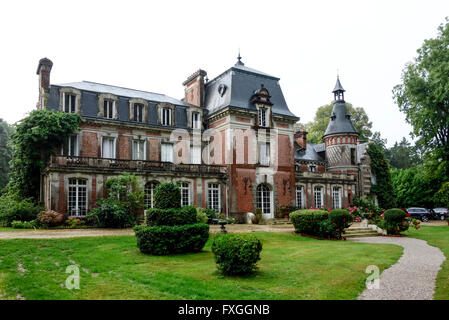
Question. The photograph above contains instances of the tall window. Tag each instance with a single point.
(149, 194)
(263, 198)
(108, 148)
(138, 112)
(353, 156)
(213, 196)
(195, 154)
(185, 194)
(69, 102)
(108, 109)
(166, 116)
(264, 154)
(138, 150)
(262, 117)
(300, 201)
(318, 194)
(167, 152)
(336, 197)
(70, 148)
(77, 197)
(196, 120)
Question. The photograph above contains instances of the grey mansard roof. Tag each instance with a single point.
(313, 152)
(240, 83)
(122, 92)
(340, 120)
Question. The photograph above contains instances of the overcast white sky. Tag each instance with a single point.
(154, 46)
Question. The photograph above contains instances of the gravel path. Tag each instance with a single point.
(74, 233)
(412, 277)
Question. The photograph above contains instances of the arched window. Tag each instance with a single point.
(300, 201)
(263, 198)
(149, 194)
(336, 197)
(77, 197)
(319, 196)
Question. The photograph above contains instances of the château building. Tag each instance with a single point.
(230, 144)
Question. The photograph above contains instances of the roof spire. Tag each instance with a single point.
(239, 62)
(338, 90)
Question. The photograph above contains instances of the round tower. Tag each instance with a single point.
(341, 138)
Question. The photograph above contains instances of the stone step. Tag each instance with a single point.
(360, 235)
(358, 228)
(358, 231)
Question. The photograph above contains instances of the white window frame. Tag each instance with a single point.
(195, 154)
(336, 197)
(114, 147)
(141, 151)
(139, 113)
(319, 201)
(166, 116)
(264, 153)
(110, 108)
(166, 155)
(75, 194)
(196, 120)
(263, 117)
(185, 193)
(214, 196)
(149, 194)
(300, 203)
(71, 102)
(263, 198)
(71, 141)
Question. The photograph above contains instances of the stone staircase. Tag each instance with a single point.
(359, 232)
(280, 222)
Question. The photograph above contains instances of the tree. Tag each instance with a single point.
(5, 152)
(423, 95)
(317, 128)
(36, 138)
(380, 169)
(402, 155)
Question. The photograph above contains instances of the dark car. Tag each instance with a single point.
(422, 214)
(440, 213)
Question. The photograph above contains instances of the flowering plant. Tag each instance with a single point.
(74, 222)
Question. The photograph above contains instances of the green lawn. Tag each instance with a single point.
(292, 267)
(437, 237)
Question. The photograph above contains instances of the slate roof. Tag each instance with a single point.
(241, 82)
(338, 86)
(122, 92)
(310, 153)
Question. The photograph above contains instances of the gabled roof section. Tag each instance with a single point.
(123, 92)
(310, 153)
(240, 84)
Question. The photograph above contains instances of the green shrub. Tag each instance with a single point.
(395, 221)
(74, 223)
(201, 217)
(109, 213)
(308, 221)
(12, 208)
(171, 217)
(24, 224)
(328, 230)
(164, 240)
(236, 254)
(167, 195)
(340, 219)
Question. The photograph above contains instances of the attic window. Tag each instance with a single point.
(262, 117)
(69, 103)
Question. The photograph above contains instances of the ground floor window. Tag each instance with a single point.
(213, 196)
(263, 198)
(336, 197)
(185, 193)
(318, 194)
(77, 197)
(300, 201)
(149, 194)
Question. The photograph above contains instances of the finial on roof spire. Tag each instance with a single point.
(239, 62)
(338, 90)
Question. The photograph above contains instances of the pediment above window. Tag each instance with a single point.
(261, 96)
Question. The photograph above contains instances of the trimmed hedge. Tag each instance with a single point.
(308, 221)
(164, 240)
(236, 254)
(167, 195)
(395, 221)
(340, 219)
(171, 217)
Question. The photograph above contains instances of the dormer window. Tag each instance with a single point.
(108, 108)
(165, 116)
(69, 102)
(312, 168)
(262, 117)
(138, 112)
(196, 120)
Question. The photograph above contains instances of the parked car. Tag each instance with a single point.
(422, 214)
(440, 213)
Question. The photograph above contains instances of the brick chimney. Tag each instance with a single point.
(194, 88)
(43, 70)
(301, 138)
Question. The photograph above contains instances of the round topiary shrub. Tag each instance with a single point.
(171, 217)
(308, 221)
(395, 221)
(236, 254)
(167, 195)
(164, 240)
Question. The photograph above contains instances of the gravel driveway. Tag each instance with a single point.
(412, 277)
